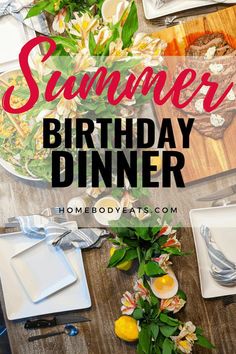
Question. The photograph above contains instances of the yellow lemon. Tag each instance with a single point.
(156, 161)
(126, 265)
(126, 328)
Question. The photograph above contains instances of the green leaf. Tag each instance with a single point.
(168, 346)
(92, 43)
(141, 269)
(153, 269)
(37, 9)
(145, 337)
(182, 295)
(169, 320)
(130, 26)
(155, 330)
(167, 331)
(138, 314)
(162, 240)
(130, 255)
(204, 342)
(175, 251)
(117, 257)
(66, 42)
(143, 233)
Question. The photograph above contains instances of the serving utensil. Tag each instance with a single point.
(55, 321)
(69, 330)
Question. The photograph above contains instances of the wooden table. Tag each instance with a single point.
(216, 316)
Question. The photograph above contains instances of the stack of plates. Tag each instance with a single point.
(39, 279)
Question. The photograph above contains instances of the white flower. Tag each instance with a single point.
(116, 51)
(103, 36)
(147, 45)
(113, 10)
(59, 24)
(42, 68)
(83, 61)
(121, 8)
(185, 340)
(67, 108)
(81, 26)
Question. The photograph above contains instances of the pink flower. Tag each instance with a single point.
(163, 261)
(140, 290)
(173, 304)
(129, 303)
(165, 230)
(172, 242)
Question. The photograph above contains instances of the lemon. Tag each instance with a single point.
(126, 265)
(126, 328)
(156, 161)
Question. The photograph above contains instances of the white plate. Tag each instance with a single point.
(13, 35)
(11, 169)
(222, 223)
(43, 270)
(18, 304)
(172, 6)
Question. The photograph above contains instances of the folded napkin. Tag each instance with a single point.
(222, 269)
(39, 226)
(19, 10)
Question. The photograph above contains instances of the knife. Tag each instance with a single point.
(223, 193)
(55, 321)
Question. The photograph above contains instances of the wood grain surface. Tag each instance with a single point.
(206, 156)
(216, 316)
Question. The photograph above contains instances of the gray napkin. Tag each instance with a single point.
(38, 226)
(222, 269)
(19, 10)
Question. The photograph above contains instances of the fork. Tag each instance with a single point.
(171, 20)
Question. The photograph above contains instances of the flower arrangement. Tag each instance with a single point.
(148, 313)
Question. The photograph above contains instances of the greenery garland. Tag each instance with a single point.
(146, 318)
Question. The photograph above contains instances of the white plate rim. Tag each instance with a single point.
(182, 6)
(40, 298)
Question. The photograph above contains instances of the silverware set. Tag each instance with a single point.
(168, 21)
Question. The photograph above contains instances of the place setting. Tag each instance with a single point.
(45, 269)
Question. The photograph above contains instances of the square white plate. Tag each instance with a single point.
(43, 270)
(172, 6)
(18, 304)
(13, 35)
(222, 223)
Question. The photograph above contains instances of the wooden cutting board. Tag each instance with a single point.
(206, 157)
